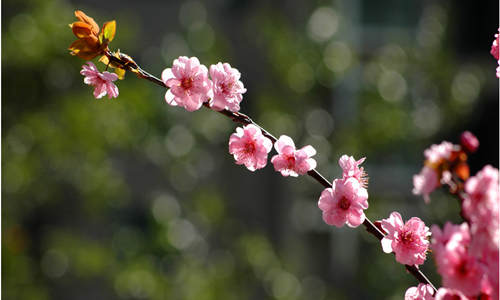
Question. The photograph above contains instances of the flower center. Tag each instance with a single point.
(187, 83)
(462, 268)
(407, 237)
(226, 87)
(291, 162)
(344, 203)
(249, 148)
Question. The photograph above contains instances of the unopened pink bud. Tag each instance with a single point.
(469, 141)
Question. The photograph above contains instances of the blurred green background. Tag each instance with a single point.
(133, 199)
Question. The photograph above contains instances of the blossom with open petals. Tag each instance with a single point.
(292, 162)
(409, 241)
(344, 203)
(436, 153)
(451, 237)
(103, 82)
(425, 182)
(460, 270)
(481, 202)
(495, 52)
(350, 168)
(249, 147)
(420, 292)
(227, 89)
(188, 82)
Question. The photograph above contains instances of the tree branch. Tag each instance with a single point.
(128, 64)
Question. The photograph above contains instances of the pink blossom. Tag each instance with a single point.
(451, 237)
(350, 168)
(460, 271)
(449, 294)
(188, 82)
(494, 51)
(425, 182)
(344, 203)
(103, 82)
(437, 153)
(408, 241)
(469, 141)
(250, 147)
(226, 87)
(420, 292)
(481, 202)
(494, 47)
(291, 162)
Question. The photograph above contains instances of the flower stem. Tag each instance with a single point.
(243, 119)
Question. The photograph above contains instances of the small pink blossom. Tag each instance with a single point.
(103, 82)
(344, 203)
(350, 168)
(250, 147)
(449, 294)
(481, 202)
(226, 87)
(291, 162)
(460, 271)
(437, 153)
(408, 241)
(420, 292)
(494, 47)
(495, 52)
(449, 239)
(188, 82)
(469, 141)
(425, 182)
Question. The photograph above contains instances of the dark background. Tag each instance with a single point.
(130, 198)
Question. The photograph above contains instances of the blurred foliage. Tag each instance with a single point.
(133, 199)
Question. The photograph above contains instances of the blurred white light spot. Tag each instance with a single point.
(59, 74)
(172, 47)
(337, 56)
(181, 233)
(165, 207)
(323, 24)
(283, 284)
(23, 28)
(54, 263)
(465, 87)
(319, 123)
(201, 37)
(179, 141)
(427, 118)
(393, 57)
(301, 77)
(192, 12)
(314, 287)
(391, 86)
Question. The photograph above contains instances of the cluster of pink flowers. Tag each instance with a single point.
(189, 85)
(495, 51)
(103, 82)
(409, 241)
(346, 200)
(250, 148)
(442, 162)
(429, 178)
(466, 255)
